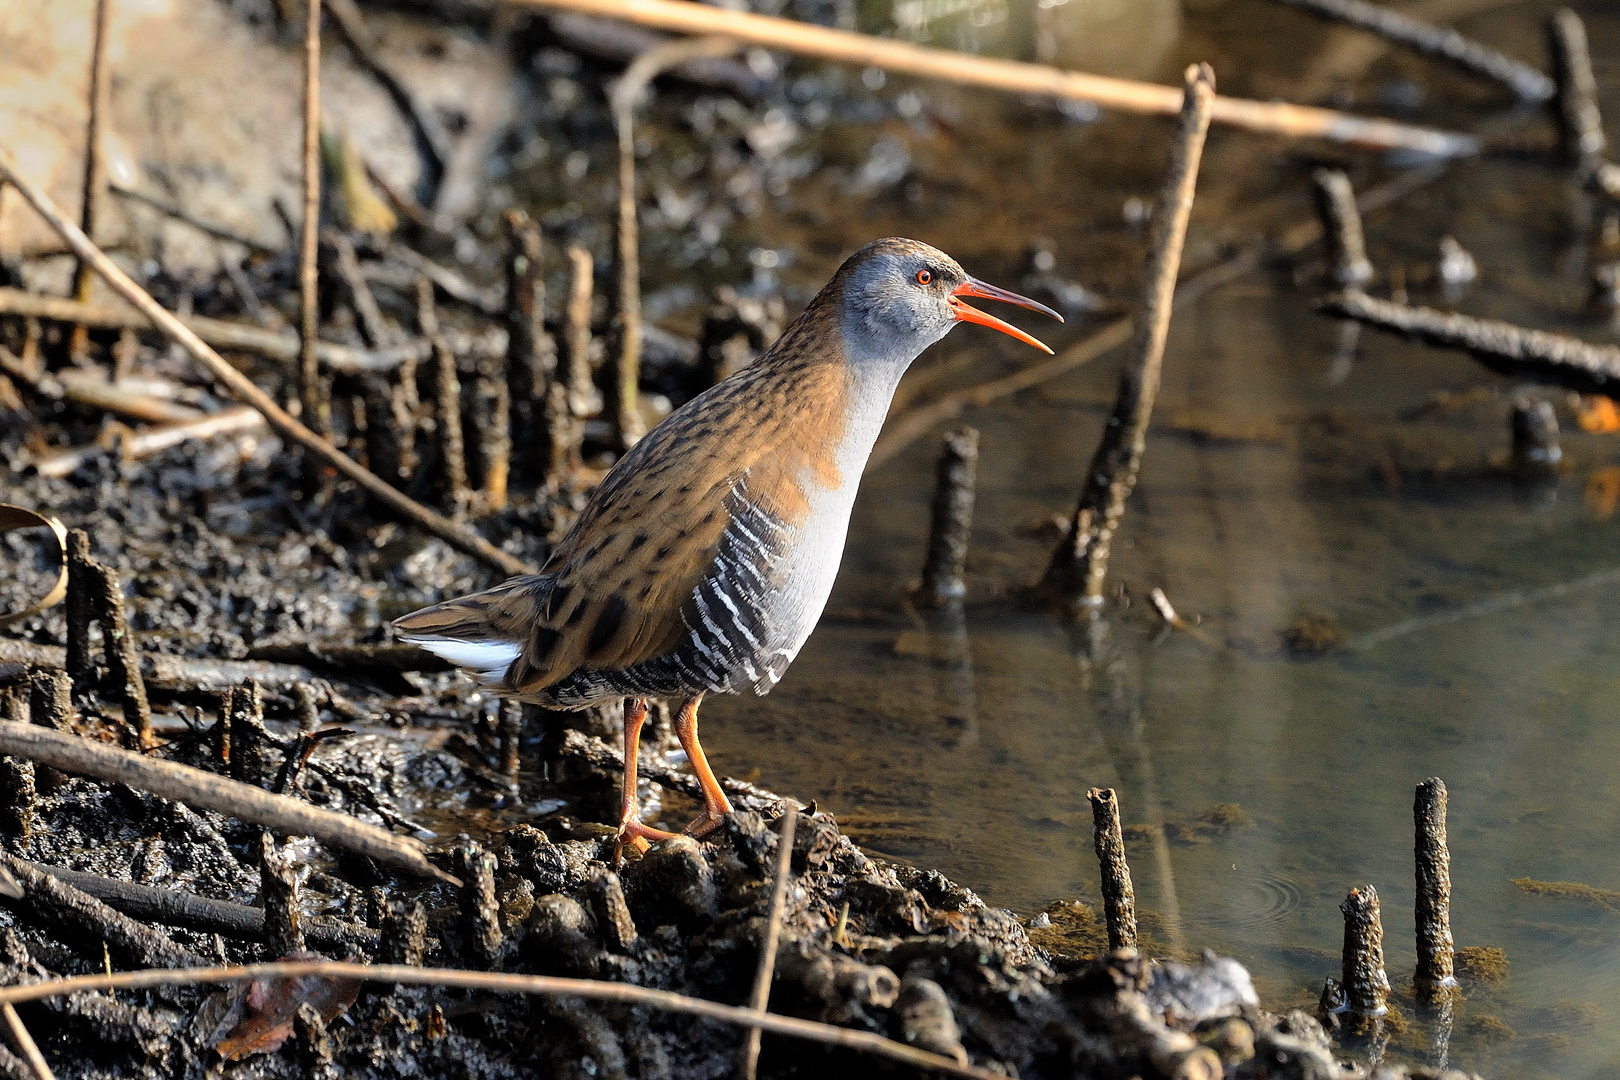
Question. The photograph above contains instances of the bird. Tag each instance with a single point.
(702, 561)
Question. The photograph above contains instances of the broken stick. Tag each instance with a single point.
(204, 790)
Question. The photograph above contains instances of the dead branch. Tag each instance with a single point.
(223, 334)
(23, 1043)
(609, 39)
(1079, 563)
(1438, 41)
(1276, 118)
(448, 281)
(181, 214)
(204, 790)
(547, 985)
(139, 444)
(95, 165)
(317, 408)
(458, 536)
(1551, 359)
(761, 994)
(49, 897)
(1580, 125)
(166, 672)
(90, 387)
(205, 914)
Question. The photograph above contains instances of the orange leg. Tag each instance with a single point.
(631, 830)
(715, 804)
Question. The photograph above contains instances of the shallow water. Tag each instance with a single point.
(1278, 484)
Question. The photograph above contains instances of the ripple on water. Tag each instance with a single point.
(1254, 905)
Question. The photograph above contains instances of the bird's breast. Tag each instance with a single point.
(811, 547)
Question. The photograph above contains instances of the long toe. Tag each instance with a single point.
(704, 824)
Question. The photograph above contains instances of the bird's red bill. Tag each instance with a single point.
(967, 313)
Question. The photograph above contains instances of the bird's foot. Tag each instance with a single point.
(704, 824)
(632, 833)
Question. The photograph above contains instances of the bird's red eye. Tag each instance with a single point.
(924, 277)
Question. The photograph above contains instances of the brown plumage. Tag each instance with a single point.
(703, 560)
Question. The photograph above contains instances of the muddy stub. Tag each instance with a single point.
(1435, 950)
(951, 520)
(1365, 985)
(1119, 898)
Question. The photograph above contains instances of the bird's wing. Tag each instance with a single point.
(612, 594)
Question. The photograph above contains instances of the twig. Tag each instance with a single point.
(97, 393)
(1580, 124)
(761, 994)
(431, 136)
(1297, 121)
(372, 324)
(1172, 619)
(626, 374)
(164, 671)
(316, 407)
(502, 982)
(610, 39)
(581, 387)
(1525, 81)
(1341, 225)
(1366, 986)
(181, 214)
(1119, 898)
(951, 520)
(204, 790)
(235, 421)
(224, 334)
(204, 914)
(448, 281)
(53, 898)
(22, 1042)
(1435, 951)
(1075, 572)
(242, 387)
(95, 166)
(1550, 359)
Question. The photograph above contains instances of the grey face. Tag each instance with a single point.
(896, 297)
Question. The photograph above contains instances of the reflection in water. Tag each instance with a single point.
(1111, 680)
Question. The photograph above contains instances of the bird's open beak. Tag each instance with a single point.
(975, 287)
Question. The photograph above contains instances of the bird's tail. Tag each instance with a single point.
(485, 632)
